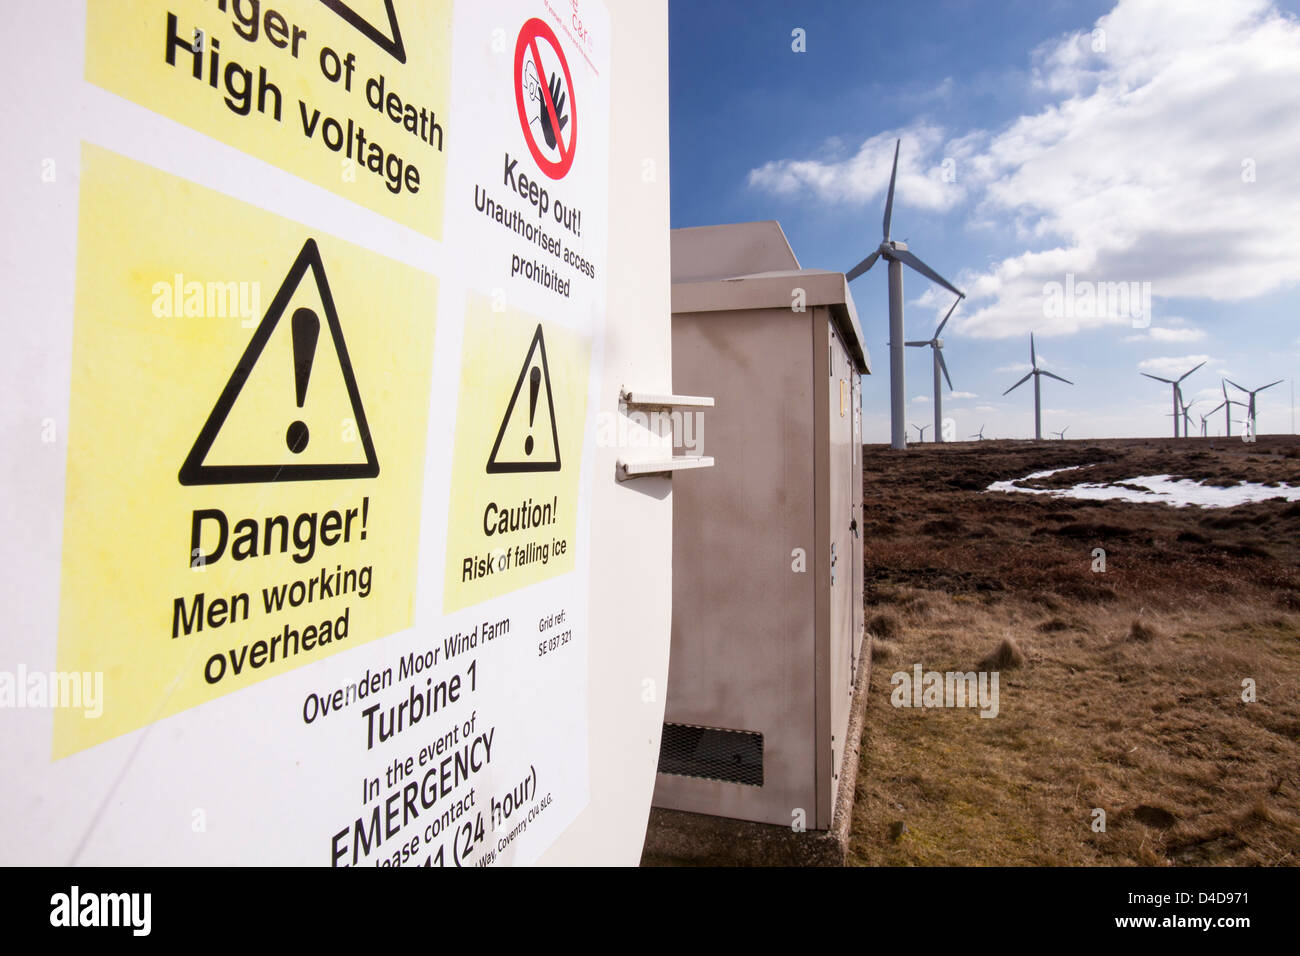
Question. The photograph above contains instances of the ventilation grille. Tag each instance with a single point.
(733, 756)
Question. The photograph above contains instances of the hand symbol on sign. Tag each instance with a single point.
(558, 99)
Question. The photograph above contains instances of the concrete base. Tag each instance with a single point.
(678, 838)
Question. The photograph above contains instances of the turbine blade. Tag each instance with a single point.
(863, 266)
(1185, 374)
(1057, 377)
(926, 342)
(1167, 381)
(902, 255)
(889, 201)
(1028, 375)
(943, 366)
(1236, 386)
(1270, 385)
(1033, 355)
(939, 330)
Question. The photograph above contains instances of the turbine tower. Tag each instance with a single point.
(1178, 392)
(1227, 404)
(1036, 372)
(1250, 405)
(897, 255)
(936, 346)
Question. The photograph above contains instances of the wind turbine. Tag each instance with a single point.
(936, 346)
(979, 435)
(921, 431)
(1205, 428)
(1186, 415)
(1178, 392)
(1061, 433)
(1250, 406)
(1036, 372)
(897, 255)
(1187, 419)
(1227, 404)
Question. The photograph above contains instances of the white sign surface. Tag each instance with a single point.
(321, 292)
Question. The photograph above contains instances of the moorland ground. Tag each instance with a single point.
(1129, 694)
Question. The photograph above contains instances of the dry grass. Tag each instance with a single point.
(1142, 632)
(884, 626)
(1128, 696)
(882, 651)
(1007, 657)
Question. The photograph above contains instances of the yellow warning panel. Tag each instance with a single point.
(348, 94)
(519, 433)
(245, 447)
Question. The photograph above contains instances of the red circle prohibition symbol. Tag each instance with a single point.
(526, 45)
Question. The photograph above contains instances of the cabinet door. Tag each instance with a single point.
(859, 536)
(842, 538)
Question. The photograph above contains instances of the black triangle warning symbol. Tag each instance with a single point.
(517, 438)
(392, 44)
(305, 327)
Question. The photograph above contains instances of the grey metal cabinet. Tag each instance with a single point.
(767, 619)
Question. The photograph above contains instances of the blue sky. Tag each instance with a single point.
(1134, 141)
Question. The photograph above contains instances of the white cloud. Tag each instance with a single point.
(1168, 333)
(1166, 157)
(1137, 173)
(1172, 364)
(1176, 335)
(921, 399)
(963, 395)
(864, 176)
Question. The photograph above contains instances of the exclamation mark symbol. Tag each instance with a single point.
(534, 385)
(306, 330)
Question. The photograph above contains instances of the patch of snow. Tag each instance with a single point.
(1164, 489)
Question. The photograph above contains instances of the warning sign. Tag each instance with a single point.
(305, 564)
(390, 41)
(179, 592)
(351, 96)
(252, 432)
(523, 442)
(514, 525)
(544, 100)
